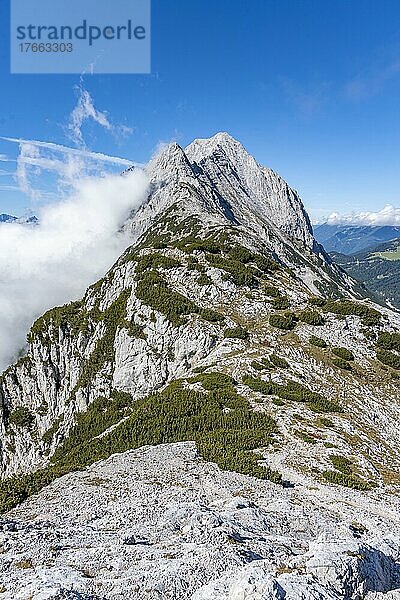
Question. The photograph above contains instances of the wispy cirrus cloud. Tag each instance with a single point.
(371, 82)
(9, 188)
(69, 165)
(308, 98)
(311, 97)
(85, 110)
(42, 164)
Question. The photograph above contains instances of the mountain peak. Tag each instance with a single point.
(4, 218)
(219, 180)
(252, 188)
(205, 146)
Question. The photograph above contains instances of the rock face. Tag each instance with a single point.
(225, 295)
(218, 180)
(161, 523)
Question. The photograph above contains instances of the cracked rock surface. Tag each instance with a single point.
(159, 522)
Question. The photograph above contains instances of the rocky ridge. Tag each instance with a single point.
(225, 296)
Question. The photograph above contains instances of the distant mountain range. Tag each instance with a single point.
(349, 239)
(7, 218)
(4, 218)
(378, 268)
(369, 254)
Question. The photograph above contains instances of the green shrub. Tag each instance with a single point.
(280, 303)
(70, 317)
(311, 317)
(343, 353)
(226, 437)
(210, 315)
(342, 364)
(293, 391)
(286, 321)
(317, 341)
(204, 279)
(265, 264)
(104, 352)
(272, 291)
(22, 417)
(50, 433)
(241, 254)
(388, 358)
(153, 290)
(135, 330)
(306, 437)
(341, 463)
(240, 273)
(243, 266)
(259, 385)
(369, 316)
(154, 261)
(317, 301)
(101, 414)
(236, 332)
(323, 405)
(325, 422)
(43, 409)
(351, 481)
(257, 365)
(389, 341)
(277, 361)
(215, 381)
(192, 244)
(277, 402)
(200, 369)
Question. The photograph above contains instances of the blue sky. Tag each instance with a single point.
(311, 88)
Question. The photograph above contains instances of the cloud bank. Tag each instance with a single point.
(389, 215)
(75, 243)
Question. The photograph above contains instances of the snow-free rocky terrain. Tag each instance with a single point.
(217, 418)
(159, 522)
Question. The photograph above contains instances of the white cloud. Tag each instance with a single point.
(9, 188)
(389, 215)
(75, 242)
(69, 164)
(85, 110)
(98, 156)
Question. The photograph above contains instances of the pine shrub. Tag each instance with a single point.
(236, 333)
(343, 353)
(22, 417)
(317, 341)
(311, 317)
(286, 321)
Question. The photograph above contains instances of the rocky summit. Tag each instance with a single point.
(216, 419)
